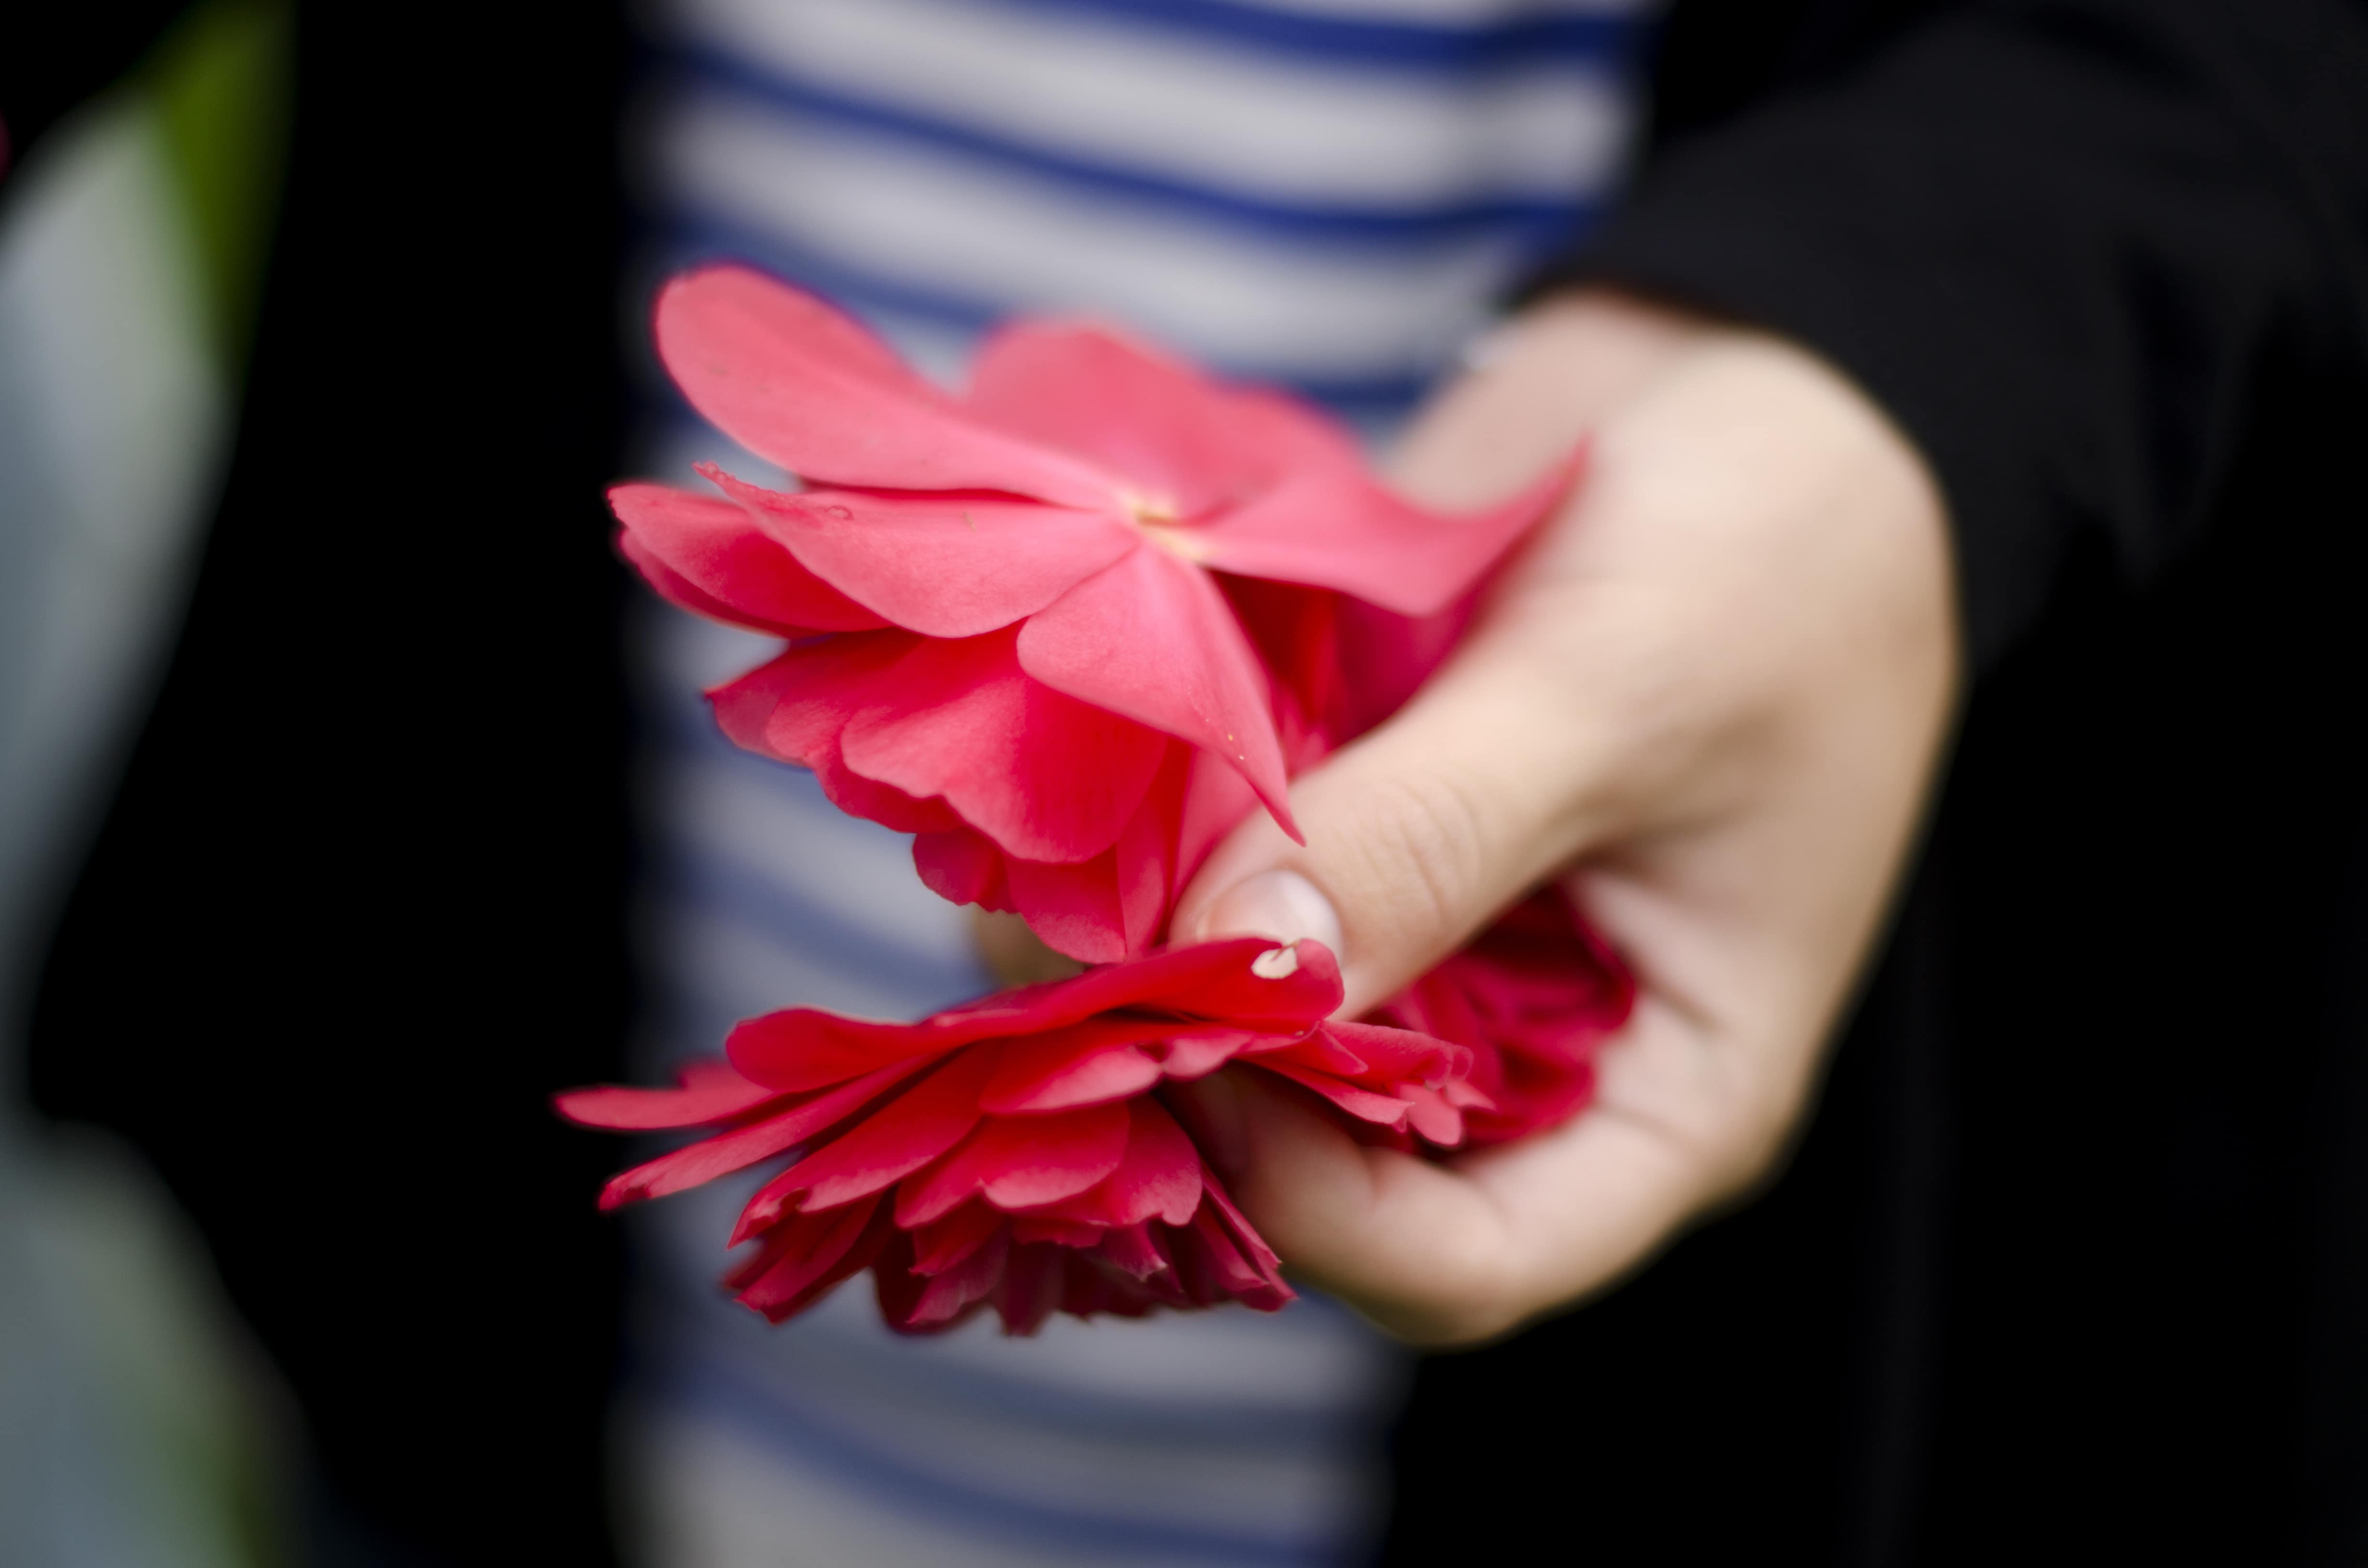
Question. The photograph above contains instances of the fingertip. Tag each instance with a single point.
(1281, 904)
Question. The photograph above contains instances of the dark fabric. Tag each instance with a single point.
(53, 57)
(358, 907)
(2072, 1262)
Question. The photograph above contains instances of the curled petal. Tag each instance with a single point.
(1365, 1105)
(1157, 1178)
(707, 556)
(962, 865)
(711, 1093)
(1077, 910)
(1045, 775)
(943, 565)
(1334, 528)
(796, 708)
(1101, 1059)
(795, 381)
(808, 1256)
(744, 1146)
(960, 1285)
(1153, 639)
(1185, 442)
(900, 1138)
(1017, 1161)
(946, 1240)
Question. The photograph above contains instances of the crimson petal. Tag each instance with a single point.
(711, 1092)
(1017, 1161)
(1100, 1059)
(900, 1138)
(742, 1146)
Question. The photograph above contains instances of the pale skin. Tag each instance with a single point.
(1711, 696)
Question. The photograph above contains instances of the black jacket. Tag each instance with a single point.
(2072, 1264)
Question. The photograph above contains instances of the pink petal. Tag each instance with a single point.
(1086, 1063)
(1031, 1288)
(1159, 1178)
(962, 866)
(727, 1151)
(1208, 980)
(795, 381)
(801, 1254)
(1020, 1161)
(898, 1138)
(1129, 1247)
(944, 1241)
(711, 1092)
(795, 707)
(1216, 799)
(1151, 638)
(1196, 1056)
(1059, 1232)
(1337, 528)
(1237, 1225)
(1386, 1110)
(1076, 909)
(944, 565)
(805, 1048)
(961, 1284)
(1045, 775)
(1185, 442)
(731, 570)
(1143, 859)
(1433, 1118)
(1399, 1054)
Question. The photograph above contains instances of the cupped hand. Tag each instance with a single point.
(1711, 696)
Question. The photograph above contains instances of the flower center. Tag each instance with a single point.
(1156, 518)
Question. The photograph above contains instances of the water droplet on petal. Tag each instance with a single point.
(841, 513)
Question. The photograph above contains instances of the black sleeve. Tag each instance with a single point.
(54, 56)
(2063, 242)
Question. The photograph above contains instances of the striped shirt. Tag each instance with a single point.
(1327, 194)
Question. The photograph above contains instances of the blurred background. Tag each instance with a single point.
(354, 800)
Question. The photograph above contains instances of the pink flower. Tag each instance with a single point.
(1030, 661)
(1533, 998)
(1014, 1150)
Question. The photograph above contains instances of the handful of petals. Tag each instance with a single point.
(1015, 1151)
(1068, 628)
(1030, 663)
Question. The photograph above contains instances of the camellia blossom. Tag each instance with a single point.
(1009, 631)
(1014, 1150)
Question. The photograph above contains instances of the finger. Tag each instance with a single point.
(1442, 1255)
(1418, 834)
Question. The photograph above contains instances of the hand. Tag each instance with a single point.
(1710, 695)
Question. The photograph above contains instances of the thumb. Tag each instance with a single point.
(1417, 835)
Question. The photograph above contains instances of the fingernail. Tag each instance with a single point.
(1280, 904)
